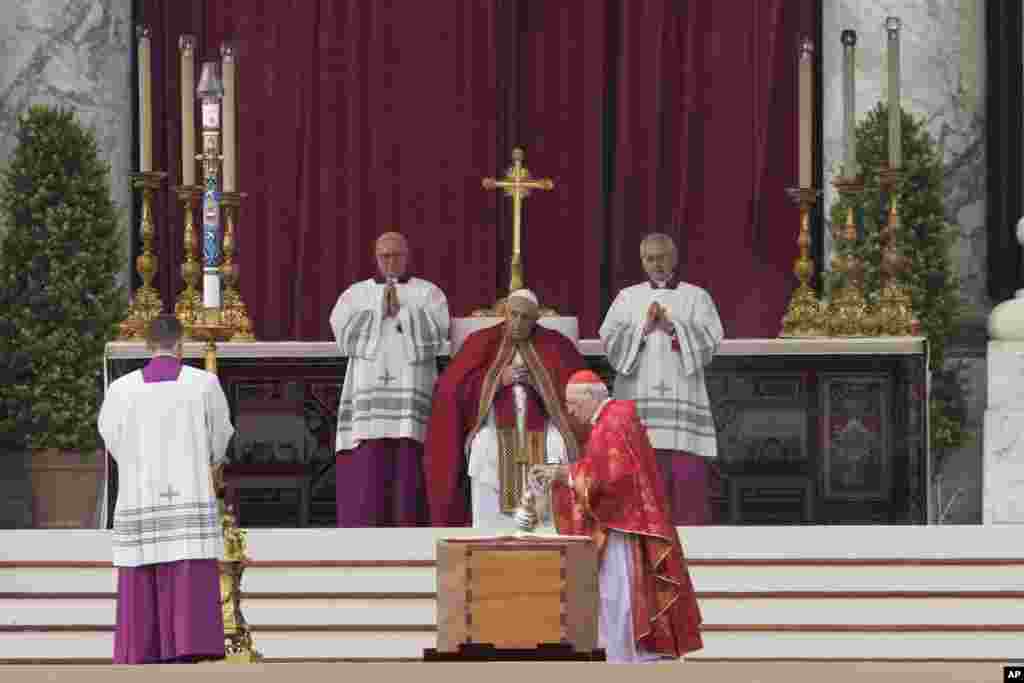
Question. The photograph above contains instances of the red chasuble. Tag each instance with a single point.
(465, 392)
(617, 485)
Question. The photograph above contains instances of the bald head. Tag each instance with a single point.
(658, 255)
(392, 251)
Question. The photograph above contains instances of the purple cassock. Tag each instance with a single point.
(690, 481)
(380, 483)
(168, 612)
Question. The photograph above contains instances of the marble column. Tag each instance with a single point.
(1004, 415)
(943, 67)
(75, 53)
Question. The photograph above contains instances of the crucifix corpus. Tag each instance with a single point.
(517, 184)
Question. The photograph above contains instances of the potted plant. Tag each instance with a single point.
(925, 239)
(17, 423)
(60, 261)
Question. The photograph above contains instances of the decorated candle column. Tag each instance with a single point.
(210, 92)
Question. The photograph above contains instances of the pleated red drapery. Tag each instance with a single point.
(361, 116)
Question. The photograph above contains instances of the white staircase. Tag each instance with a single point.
(767, 593)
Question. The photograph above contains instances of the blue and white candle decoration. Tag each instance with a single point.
(211, 91)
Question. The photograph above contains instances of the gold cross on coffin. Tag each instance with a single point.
(517, 184)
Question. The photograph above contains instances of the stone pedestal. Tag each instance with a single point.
(1004, 434)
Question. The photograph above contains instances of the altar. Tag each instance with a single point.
(810, 431)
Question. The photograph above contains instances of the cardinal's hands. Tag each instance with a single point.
(543, 475)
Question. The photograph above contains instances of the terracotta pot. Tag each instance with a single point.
(66, 489)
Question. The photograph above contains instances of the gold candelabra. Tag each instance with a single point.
(146, 303)
(804, 316)
(189, 307)
(895, 311)
(236, 315)
(847, 312)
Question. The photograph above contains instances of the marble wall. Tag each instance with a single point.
(75, 53)
(943, 81)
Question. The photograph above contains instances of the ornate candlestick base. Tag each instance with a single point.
(238, 643)
(146, 303)
(895, 310)
(236, 315)
(847, 312)
(804, 316)
(189, 306)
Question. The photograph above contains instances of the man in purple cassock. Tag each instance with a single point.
(167, 426)
(391, 328)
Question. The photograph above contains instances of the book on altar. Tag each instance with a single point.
(516, 592)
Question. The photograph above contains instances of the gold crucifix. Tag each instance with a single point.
(517, 184)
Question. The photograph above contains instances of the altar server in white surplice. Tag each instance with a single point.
(391, 328)
(659, 336)
(166, 426)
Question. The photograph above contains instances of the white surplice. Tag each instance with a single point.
(667, 385)
(392, 363)
(164, 437)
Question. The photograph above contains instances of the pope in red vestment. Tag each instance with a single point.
(472, 385)
(614, 492)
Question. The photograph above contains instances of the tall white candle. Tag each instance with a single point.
(892, 26)
(230, 144)
(211, 288)
(145, 101)
(850, 169)
(806, 111)
(188, 110)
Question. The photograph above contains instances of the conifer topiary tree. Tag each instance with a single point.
(925, 239)
(60, 260)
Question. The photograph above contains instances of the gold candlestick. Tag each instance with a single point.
(238, 643)
(895, 310)
(847, 311)
(804, 315)
(189, 306)
(236, 315)
(146, 303)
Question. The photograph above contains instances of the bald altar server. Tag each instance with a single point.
(659, 336)
(167, 425)
(614, 494)
(391, 328)
(501, 400)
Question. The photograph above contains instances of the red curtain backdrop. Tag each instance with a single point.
(359, 117)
